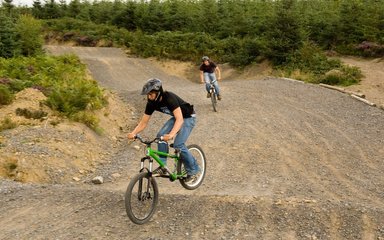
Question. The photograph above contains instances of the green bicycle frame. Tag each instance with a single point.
(155, 154)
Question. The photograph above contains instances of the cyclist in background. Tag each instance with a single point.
(208, 70)
(179, 126)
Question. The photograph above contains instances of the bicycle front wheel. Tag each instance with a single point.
(199, 156)
(141, 198)
(213, 100)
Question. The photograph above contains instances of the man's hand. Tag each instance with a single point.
(167, 137)
(131, 136)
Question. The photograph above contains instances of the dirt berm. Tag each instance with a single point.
(286, 160)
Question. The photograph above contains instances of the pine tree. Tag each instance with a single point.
(8, 37)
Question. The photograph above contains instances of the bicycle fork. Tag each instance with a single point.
(142, 196)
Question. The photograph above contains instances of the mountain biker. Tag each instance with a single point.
(208, 70)
(179, 126)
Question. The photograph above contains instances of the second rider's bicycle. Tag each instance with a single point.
(213, 94)
(142, 195)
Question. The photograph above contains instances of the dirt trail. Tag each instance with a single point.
(372, 84)
(286, 160)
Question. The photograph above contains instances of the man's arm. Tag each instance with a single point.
(218, 72)
(140, 127)
(201, 77)
(176, 127)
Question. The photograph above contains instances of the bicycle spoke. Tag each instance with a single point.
(141, 198)
(199, 155)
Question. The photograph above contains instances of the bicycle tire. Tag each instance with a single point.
(199, 155)
(213, 100)
(136, 199)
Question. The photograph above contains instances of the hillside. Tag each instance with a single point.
(286, 160)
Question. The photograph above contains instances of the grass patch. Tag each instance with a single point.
(7, 123)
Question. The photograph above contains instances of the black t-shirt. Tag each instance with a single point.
(169, 102)
(210, 68)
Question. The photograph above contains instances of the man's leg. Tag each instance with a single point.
(163, 147)
(207, 82)
(189, 161)
(217, 88)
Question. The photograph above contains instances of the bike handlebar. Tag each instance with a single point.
(147, 142)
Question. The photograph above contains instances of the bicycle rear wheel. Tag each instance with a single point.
(141, 198)
(213, 100)
(199, 155)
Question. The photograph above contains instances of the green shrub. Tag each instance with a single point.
(30, 38)
(86, 33)
(88, 119)
(174, 45)
(75, 96)
(311, 58)
(309, 63)
(344, 76)
(9, 44)
(240, 52)
(62, 79)
(6, 96)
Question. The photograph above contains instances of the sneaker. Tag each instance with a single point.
(190, 178)
(160, 172)
(208, 95)
(218, 97)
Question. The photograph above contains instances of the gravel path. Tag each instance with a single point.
(286, 160)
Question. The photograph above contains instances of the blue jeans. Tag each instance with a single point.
(211, 78)
(189, 161)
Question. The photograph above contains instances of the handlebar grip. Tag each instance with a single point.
(137, 136)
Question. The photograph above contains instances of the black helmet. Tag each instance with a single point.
(205, 58)
(153, 84)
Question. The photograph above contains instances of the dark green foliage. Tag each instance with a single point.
(21, 35)
(51, 10)
(239, 32)
(37, 9)
(74, 8)
(241, 52)
(8, 5)
(176, 45)
(285, 34)
(311, 59)
(8, 37)
(126, 18)
(30, 38)
(86, 33)
(279, 26)
(5, 95)
(62, 79)
(75, 96)
(322, 21)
